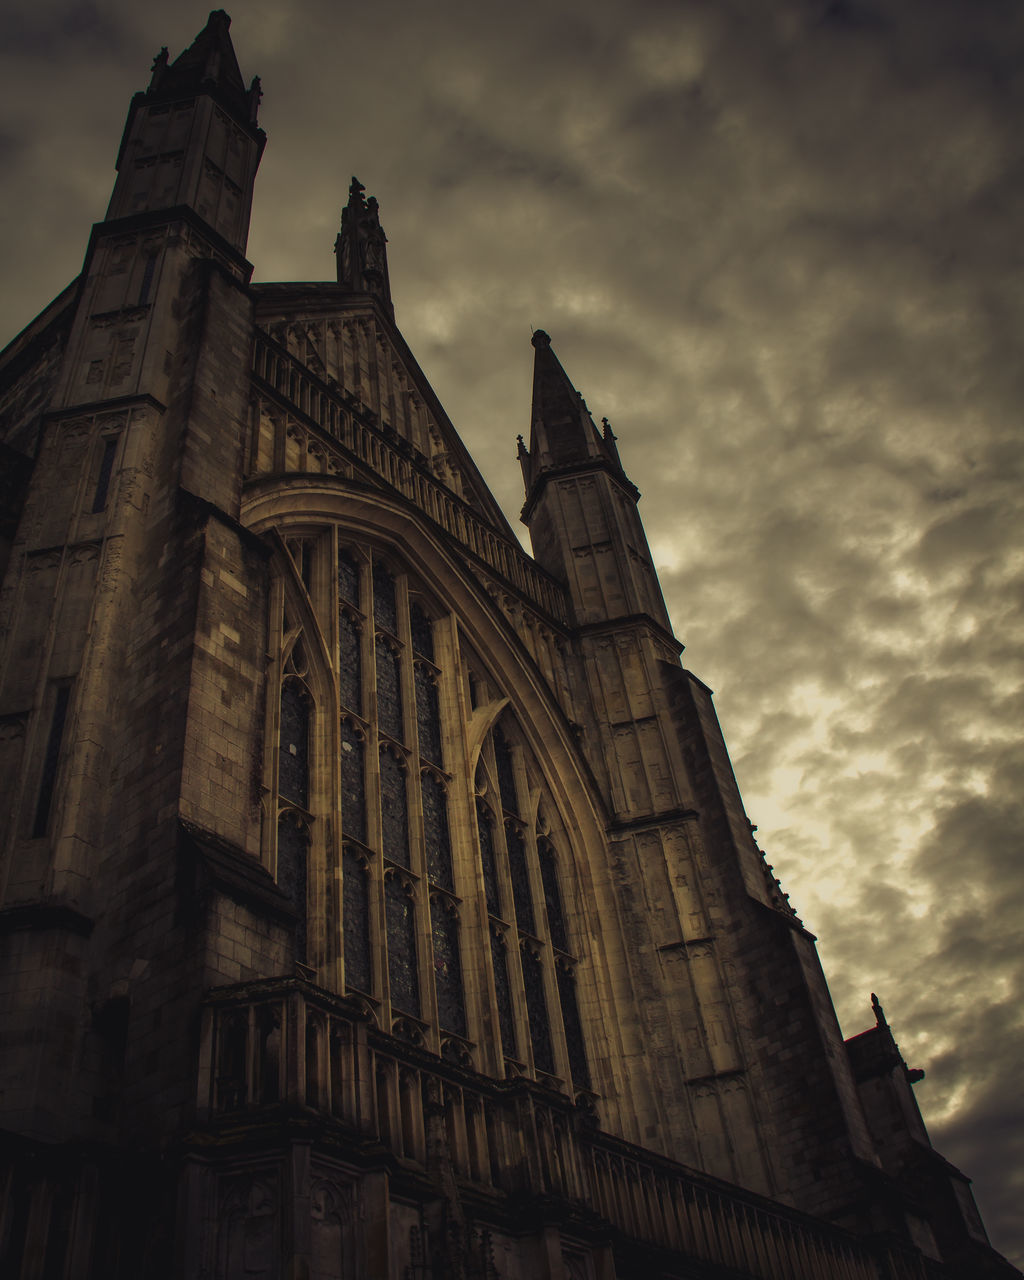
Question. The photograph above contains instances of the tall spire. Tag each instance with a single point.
(361, 247)
(562, 432)
(208, 65)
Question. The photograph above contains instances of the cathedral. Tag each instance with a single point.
(377, 900)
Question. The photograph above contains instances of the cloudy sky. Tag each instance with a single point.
(778, 244)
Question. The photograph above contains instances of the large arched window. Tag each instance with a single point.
(426, 858)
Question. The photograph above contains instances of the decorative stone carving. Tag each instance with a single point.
(331, 1216)
(248, 1233)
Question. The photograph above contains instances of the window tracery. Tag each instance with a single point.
(451, 1005)
(394, 798)
(522, 895)
(537, 1008)
(350, 662)
(436, 832)
(410, 866)
(485, 834)
(385, 598)
(293, 763)
(292, 870)
(506, 772)
(356, 920)
(552, 895)
(403, 970)
(389, 689)
(353, 779)
(428, 712)
(503, 993)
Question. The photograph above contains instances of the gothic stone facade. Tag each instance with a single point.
(377, 900)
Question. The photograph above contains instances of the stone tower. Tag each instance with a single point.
(375, 899)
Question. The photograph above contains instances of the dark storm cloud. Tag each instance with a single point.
(47, 31)
(778, 244)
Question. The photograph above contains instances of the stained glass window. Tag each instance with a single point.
(389, 690)
(485, 828)
(552, 896)
(385, 602)
(573, 1029)
(394, 804)
(356, 921)
(521, 894)
(422, 631)
(428, 713)
(350, 677)
(353, 782)
(292, 857)
(348, 578)
(451, 1006)
(506, 773)
(293, 759)
(403, 975)
(436, 833)
(503, 991)
(537, 1011)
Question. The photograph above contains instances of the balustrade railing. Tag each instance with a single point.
(284, 1042)
(345, 428)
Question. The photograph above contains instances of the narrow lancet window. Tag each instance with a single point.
(385, 600)
(403, 973)
(506, 772)
(50, 760)
(356, 921)
(293, 760)
(537, 1010)
(521, 894)
(353, 782)
(348, 578)
(389, 689)
(422, 631)
(147, 279)
(436, 833)
(292, 861)
(99, 500)
(485, 830)
(552, 896)
(503, 992)
(573, 1028)
(428, 713)
(350, 675)
(394, 804)
(451, 1005)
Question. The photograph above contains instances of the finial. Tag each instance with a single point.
(878, 1011)
(540, 339)
(158, 69)
(255, 98)
(355, 191)
(610, 435)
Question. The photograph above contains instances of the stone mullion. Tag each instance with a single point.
(271, 805)
(540, 923)
(326, 574)
(414, 816)
(513, 938)
(479, 991)
(371, 766)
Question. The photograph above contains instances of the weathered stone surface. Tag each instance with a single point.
(376, 900)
